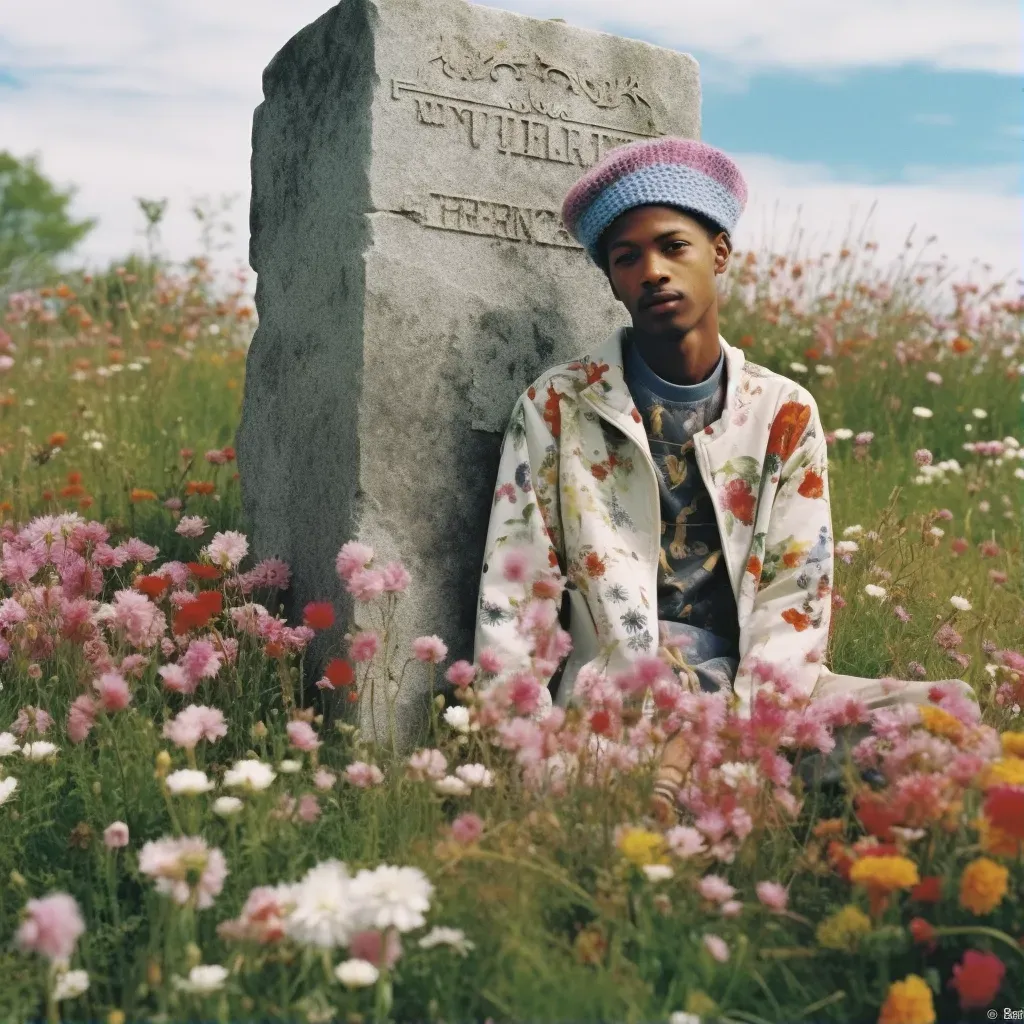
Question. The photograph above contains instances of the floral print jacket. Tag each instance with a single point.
(578, 489)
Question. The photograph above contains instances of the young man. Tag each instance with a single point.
(680, 488)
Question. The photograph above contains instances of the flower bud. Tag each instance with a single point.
(163, 764)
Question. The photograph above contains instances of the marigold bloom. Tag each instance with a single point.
(1013, 744)
(977, 979)
(941, 723)
(1008, 770)
(909, 1002)
(643, 847)
(983, 886)
(843, 929)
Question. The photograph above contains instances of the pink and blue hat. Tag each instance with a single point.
(667, 172)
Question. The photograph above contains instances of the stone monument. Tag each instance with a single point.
(409, 162)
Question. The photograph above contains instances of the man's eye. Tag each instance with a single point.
(678, 241)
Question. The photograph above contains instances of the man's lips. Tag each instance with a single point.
(659, 299)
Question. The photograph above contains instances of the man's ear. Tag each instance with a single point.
(723, 251)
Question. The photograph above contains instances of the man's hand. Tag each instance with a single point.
(671, 774)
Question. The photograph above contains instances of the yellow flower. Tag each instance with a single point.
(886, 873)
(983, 885)
(1013, 744)
(1009, 770)
(909, 1002)
(643, 847)
(941, 723)
(843, 929)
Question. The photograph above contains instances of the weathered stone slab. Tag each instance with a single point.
(409, 163)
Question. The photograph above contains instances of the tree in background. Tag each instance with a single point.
(35, 226)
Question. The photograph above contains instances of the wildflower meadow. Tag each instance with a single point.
(187, 836)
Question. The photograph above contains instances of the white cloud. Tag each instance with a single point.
(156, 99)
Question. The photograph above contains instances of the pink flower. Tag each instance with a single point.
(30, 717)
(428, 764)
(947, 637)
(396, 578)
(201, 661)
(772, 895)
(685, 841)
(364, 645)
(115, 835)
(490, 661)
(524, 692)
(113, 692)
(194, 723)
(461, 674)
(323, 779)
(716, 946)
(52, 927)
(516, 566)
(134, 665)
(467, 828)
(177, 679)
(363, 775)
(185, 868)
(191, 526)
(429, 649)
(923, 457)
(302, 736)
(352, 557)
(309, 808)
(227, 549)
(81, 718)
(916, 669)
(901, 613)
(365, 585)
(715, 889)
(375, 948)
(141, 621)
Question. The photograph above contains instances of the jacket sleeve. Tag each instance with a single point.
(525, 516)
(787, 627)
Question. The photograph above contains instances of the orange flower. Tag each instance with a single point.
(74, 477)
(57, 439)
(812, 485)
(553, 411)
(593, 564)
(983, 886)
(941, 723)
(72, 491)
(796, 618)
(909, 1001)
(754, 566)
(787, 429)
(141, 494)
(200, 487)
(962, 345)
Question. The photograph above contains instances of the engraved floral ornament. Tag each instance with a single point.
(467, 64)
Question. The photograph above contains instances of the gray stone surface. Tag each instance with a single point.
(409, 162)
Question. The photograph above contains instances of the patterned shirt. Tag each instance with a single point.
(697, 611)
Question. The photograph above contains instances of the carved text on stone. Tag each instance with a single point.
(473, 216)
(582, 143)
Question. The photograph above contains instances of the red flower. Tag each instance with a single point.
(598, 471)
(754, 566)
(928, 890)
(601, 722)
(739, 500)
(923, 933)
(787, 428)
(339, 672)
(977, 979)
(274, 649)
(594, 565)
(876, 816)
(151, 586)
(796, 618)
(318, 615)
(198, 613)
(553, 411)
(1004, 807)
(812, 485)
(203, 572)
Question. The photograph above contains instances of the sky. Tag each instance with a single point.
(881, 120)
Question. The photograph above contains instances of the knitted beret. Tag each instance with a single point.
(667, 172)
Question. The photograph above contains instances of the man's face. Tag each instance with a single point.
(655, 249)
